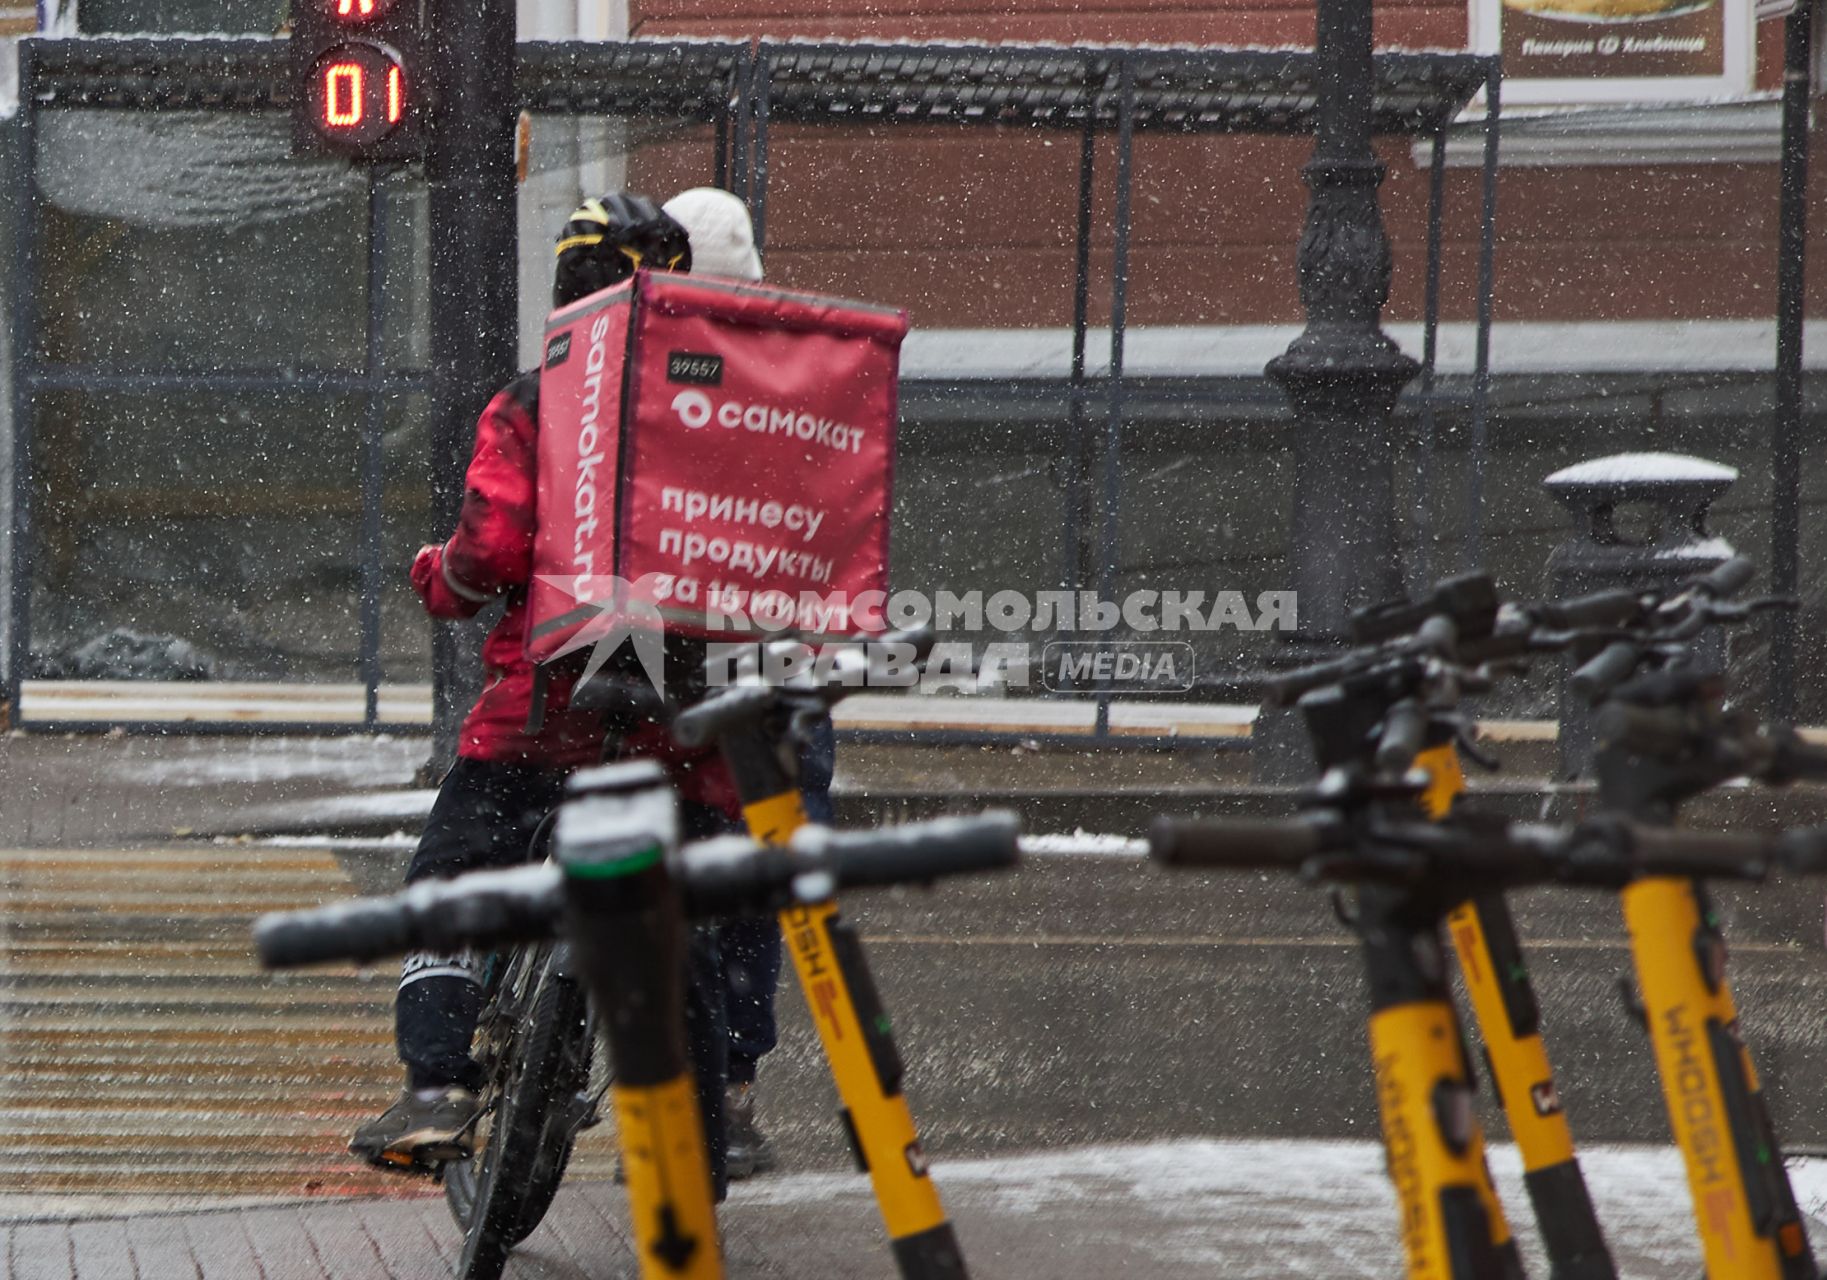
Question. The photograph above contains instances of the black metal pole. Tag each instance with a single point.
(743, 126)
(1072, 552)
(24, 357)
(374, 425)
(758, 195)
(469, 167)
(1430, 350)
(1343, 373)
(1481, 361)
(720, 143)
(1074, 465)
(1785, 445)
(1110, 508)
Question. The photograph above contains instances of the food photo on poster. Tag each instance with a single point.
(1585, 51)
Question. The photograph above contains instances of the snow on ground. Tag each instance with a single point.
(1082, 843)
(358, 761)
(347, 844)
(1324, 1208)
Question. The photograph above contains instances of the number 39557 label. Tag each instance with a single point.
(695, 368)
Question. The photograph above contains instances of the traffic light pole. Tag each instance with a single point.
(469, 167)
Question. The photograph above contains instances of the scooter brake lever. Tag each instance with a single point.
(1467, 744)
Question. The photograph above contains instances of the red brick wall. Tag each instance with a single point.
(974, 227)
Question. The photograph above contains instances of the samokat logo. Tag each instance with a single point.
(694, 409)
(557, 348)
(690, 366)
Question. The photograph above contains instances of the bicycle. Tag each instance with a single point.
(543, 1053)
(620, 892)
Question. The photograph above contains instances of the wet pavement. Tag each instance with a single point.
(1118, 1071)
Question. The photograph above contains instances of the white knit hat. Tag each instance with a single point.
(722, 237)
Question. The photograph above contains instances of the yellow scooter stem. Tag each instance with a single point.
(1503, 1004)
(859, 1045)
(1744, 1208)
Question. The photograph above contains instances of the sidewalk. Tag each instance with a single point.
(1168, 1211)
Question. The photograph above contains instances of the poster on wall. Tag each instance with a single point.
(1579, 51)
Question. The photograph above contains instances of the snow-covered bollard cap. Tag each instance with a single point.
(1682, 487)
(722, 236)
(1638, 473)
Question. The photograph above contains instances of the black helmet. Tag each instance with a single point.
(605, 240)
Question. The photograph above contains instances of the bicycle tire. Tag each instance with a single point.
(587, 1061)
(517, 1170)
(510, 980)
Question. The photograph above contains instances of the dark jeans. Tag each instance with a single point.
(750, 945)
(486, 815)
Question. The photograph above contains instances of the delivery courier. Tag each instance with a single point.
(714, 454)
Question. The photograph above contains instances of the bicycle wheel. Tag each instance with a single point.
(510, 980)
(500, 1194)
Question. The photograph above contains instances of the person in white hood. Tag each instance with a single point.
(722, 236)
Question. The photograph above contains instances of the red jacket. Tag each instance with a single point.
(490, 555)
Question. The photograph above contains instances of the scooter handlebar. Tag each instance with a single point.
(1728, 579)
(726, 709)
(734, 875)
(1235, 843)
(1795, 760)
(1613, 665)
(1404, 734)
(726, 876)
(1601, 609)
(483, 909)
(916, 852)
(704, 722)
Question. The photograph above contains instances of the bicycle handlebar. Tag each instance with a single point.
(725, 876)
(626, 695)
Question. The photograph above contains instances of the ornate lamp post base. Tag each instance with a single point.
(1342, 376)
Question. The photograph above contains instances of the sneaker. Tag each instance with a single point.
(749, 1151)
(421, 1130)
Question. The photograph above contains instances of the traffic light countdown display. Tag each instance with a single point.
(357, 78)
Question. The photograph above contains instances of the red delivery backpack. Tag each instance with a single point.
(727, 448)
